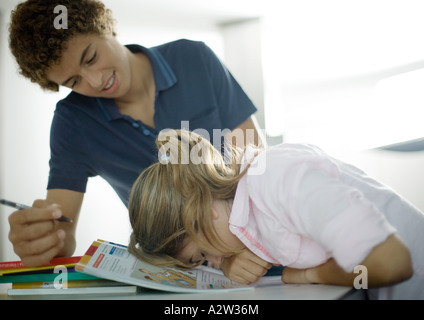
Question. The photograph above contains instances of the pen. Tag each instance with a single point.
(20, 206)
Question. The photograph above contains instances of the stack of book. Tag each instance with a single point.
(57, 277)
(109, 267)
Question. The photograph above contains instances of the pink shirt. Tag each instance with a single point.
(298, 207)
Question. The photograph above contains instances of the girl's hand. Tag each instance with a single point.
(245, 267)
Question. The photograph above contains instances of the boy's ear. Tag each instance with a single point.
(109, 30)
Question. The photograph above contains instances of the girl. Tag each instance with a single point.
(291, 204)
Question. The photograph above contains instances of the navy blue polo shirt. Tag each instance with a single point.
(90, 137)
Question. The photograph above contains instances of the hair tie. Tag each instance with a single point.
(164, 158)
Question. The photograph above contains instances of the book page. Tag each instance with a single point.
(114, 262)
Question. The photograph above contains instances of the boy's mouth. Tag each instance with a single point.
(111, 84)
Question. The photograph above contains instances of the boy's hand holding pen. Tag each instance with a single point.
(36, 234)
(56, 214)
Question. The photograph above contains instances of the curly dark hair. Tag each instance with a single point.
(36, 43)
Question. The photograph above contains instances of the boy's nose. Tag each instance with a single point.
(94, 79)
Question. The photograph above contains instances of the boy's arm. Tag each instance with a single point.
(70, 203)
(247, 133)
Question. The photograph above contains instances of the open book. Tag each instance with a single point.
(113, 261)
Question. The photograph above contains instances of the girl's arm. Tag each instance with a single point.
(387, 264)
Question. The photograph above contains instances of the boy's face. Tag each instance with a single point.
(95, 66)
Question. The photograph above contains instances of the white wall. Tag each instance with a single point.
(348, 76)
(323, 60)
(243, 55)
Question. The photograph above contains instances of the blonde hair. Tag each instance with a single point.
(172, 199)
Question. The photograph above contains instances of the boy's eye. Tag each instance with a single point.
(91, 60)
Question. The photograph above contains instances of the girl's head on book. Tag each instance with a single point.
(173, 203)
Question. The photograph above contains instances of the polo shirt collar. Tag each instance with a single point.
(239, 215)
(164, 78)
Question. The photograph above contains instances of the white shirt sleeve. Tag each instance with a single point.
(338, 217)
(323, 208)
